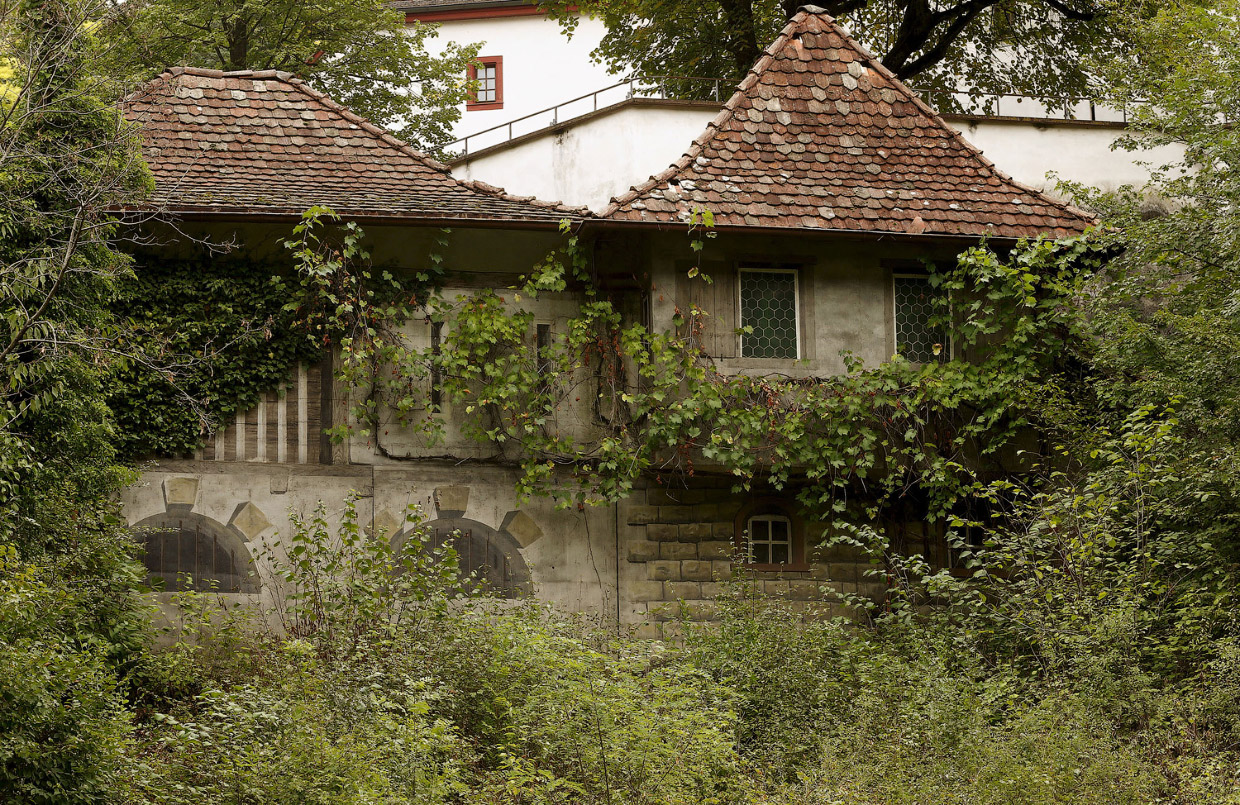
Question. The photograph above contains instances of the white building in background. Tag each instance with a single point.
(552, 123)
(528, 64)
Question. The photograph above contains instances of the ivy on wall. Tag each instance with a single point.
(656, 403)
(216, 336)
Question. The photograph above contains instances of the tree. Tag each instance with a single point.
(358, 52)
(1034, 47)
(70, 620)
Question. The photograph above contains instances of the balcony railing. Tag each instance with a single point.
(657, 87)
(715, 89)
(1023, 106)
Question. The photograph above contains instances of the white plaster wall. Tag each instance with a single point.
(591, 160)
(1028, 151)
(542, 67)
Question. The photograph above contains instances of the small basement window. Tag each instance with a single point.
(917, 339)
(487, 75)
(768, 540)
(770, 309)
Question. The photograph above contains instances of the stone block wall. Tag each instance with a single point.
(678, 549)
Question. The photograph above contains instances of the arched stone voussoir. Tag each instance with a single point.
(249, 521)
(521, 527)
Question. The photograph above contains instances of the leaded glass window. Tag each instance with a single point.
(917, 339)
(768, 303)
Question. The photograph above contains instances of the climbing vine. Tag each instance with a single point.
(217, 339)
(606, 402)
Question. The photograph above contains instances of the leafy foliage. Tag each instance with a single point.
(221, 338)
(980, 47)
(358, 52)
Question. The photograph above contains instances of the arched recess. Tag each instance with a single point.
(180, 545)
(494, 557)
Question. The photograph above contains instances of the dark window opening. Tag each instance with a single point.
(436, 372)
(192, 553)
(491, 558)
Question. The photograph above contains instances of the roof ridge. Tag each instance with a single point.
(934, 116)
(961, 189)
(712, 128)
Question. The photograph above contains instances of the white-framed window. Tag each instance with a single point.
(768, 540)
(770, 307)
(916, 337)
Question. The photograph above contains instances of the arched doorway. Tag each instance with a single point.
(493, 557)
(186, 551)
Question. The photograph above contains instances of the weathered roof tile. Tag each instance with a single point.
(817, 111)
(265, 143)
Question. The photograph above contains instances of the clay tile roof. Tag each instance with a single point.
(264, 142)
(421, 5)
(821, 136)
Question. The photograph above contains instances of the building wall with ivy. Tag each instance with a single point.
(637, 559)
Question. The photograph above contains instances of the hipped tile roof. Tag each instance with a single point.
(821, 136)
(426, 5)
(265, 143)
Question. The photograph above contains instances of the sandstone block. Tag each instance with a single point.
(696, 571)
(250, 521)
(643, 551)
(804, 590)
(695, 532)
(521, 527)
(715, 550)
(646, 590)
(662, 532)
(180, 491)
(677, 550)
(452, 501)
(641, 515)
(679, 514)
(687, 590)
(663, 571)
(842, 571)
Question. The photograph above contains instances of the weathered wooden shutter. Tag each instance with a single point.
(716, 298)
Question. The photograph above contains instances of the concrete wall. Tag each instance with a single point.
(542, 67)
(589, 160)
(845, 287)
(629, 561)
(595, 157)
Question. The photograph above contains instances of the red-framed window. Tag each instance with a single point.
(487, 76)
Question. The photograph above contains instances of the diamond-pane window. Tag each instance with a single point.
(769, 307)
(916, 338)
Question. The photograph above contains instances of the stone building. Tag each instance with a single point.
(830, 183)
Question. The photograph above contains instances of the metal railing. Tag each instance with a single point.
(1073, 107)
(658, 87)
(677, 88)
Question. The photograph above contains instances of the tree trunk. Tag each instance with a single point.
(238, 32)
(742, 33)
